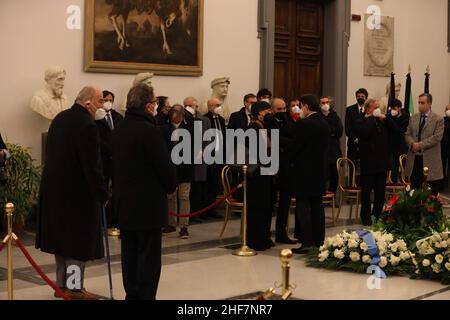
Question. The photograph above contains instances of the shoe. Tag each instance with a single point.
(169, 229)
(270, 244)
(285, 240)
(184, 234)
(89, 295)
(64, 290)
(301, 250)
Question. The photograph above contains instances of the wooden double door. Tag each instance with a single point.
(298, 48)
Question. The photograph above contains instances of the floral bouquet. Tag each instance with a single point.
(433, 258)
(412, 215)
(350, 251)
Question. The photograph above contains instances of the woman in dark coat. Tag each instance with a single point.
(334, 149)
(259, 192)
(162, 118)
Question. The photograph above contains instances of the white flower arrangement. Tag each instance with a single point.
(433, 258)
(349, 248)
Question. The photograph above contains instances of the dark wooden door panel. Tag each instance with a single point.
(298, 48)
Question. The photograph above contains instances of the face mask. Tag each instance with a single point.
(107, 106)
(361, 101)
(447, 113)
(190, 110)
(218, 110)
(266, 100)
(394, 113)
(155, 111)
(296, 110)
(100, 114)
(302, 114)
(268, 117)
(377, 113)
(282, 116)
(325, 109)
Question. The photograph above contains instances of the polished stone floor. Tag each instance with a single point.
(203, 268)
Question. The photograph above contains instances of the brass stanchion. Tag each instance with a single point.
(244, 251)
(426, 171)
(9, 209)
(285, 257)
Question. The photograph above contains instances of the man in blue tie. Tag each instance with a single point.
(423, 137)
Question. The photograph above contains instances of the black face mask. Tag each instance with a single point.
(281, 116)
(268, 118)
(361, 101)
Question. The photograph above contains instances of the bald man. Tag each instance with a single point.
(72, 193)
(214, 171)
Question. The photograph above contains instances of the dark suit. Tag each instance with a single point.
(352, 115)
(107, 159)
(309, 152)
(215, 170)
(238, 120)
(374, 136)
(445, 149)
(398, 143)
(143, 175)
(334, 151)
(72, 189)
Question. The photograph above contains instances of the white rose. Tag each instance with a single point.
(354, 256)
(436, 237)
(366, 259)
(426, 263)
(338, 242)
(445, 236)
(339, 254)
(448, 242)
(383, 262)
(382, 248)
(404, 256)
(444, 244)
(324, 256)
(402, 245)
(352, 243)
(439, 258)
(436, 268)
(389, 237)
(394, 247)
(394, 260)
(438, 245)
(411, 193)
(408, 188)
(364, 246)
(322, 248)
(447, 266)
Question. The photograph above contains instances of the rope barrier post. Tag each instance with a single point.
(285, 257)
(244, 251)
(9, 209)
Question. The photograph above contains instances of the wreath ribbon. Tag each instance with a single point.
(368, 238)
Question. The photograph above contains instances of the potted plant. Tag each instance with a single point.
(21, 186)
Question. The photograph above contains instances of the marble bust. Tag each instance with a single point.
(50, 101)
(220, 87)
(145, 77)
(384, 101)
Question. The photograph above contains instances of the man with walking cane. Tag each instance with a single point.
(144, 175)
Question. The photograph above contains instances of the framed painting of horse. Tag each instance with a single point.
(131, 36)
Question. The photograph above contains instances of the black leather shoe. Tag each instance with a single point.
(301, 250)
(285, 240)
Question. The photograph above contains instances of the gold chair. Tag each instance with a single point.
(330, 198)
(393, 188)
(347, 185)
(402, 160)
(231, 204)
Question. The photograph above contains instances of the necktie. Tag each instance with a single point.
(421, 125)
(109, 121)
(361, 112)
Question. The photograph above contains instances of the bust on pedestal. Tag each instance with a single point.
(146, 78)
(220, 87)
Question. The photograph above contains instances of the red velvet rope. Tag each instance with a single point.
(195, 214)
(38, 270)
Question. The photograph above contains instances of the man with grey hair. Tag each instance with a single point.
(143, 177)
(50, 101)
(71, 194)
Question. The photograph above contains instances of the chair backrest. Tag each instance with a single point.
(346, 173)
(226, 181)
(389, 177)
(402, 162)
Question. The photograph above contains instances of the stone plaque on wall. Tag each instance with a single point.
(379, 48)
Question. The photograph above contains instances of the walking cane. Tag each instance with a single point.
(108, 255)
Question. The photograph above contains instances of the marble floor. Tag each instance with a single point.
(203, 268)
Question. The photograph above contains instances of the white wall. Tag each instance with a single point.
(34, 36)
(420, 39)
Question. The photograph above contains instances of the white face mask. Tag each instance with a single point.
(107, 106)
(302, 114)
(266, 100)
(394, 113)
(155, 111)
(218, 110)
(447, 113)
(296, 110)
(325, 109)
(377, 113)
(100, 114)
(191, 110)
